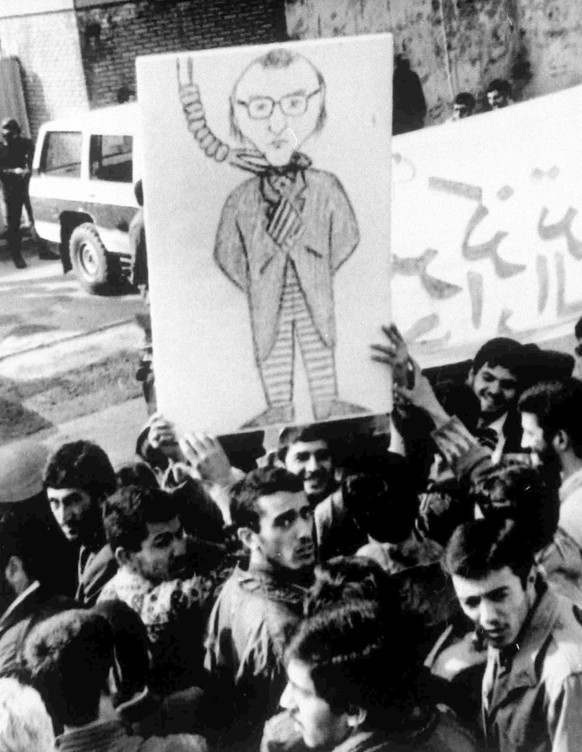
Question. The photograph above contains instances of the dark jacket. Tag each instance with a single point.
(244, 647)
(38, 605)
(96, 568)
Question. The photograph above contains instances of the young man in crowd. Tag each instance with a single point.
(155, 578)
(339, 698)
(25, 597)
(77, 479)
(499, 94)
(532, 688)
(306, 452)
(68, 658)
(552, 431)
(463, 106)
(274, 521)
(486, 403)
(496, 378)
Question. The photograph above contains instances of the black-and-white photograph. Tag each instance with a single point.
(290, 376)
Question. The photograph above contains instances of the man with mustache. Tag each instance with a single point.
(155, 578)
(245, 636)
(77, 479)
(532, 688)
(306, 452)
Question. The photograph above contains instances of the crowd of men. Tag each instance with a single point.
(412, 584)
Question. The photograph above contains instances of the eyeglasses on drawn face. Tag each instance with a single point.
(292, 105)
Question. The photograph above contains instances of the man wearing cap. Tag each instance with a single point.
(15, 163)
(33, 559)
(21, 490)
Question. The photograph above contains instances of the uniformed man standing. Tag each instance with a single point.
(15, 165)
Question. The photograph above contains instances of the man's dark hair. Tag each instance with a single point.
(127, 512)
(11, 124)
(500, 351)
(465, 99)
(294, 434)
(500, 85)
(384, 505)
(343, 646)
(346, 578)
(482, 546)
(578, 329)
(521, 493)
(264, 481)
(22, 535)
(131, 649)
(557, 405)
(83, 465)
(67, 658)
(278, 58)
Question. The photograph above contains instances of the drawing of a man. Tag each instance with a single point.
(285, 232)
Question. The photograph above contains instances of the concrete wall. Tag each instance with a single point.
(113, 35)
(52, 72)
(457, 45)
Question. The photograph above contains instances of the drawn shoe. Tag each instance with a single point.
(19, 261)
(274, 415)
(336, 408)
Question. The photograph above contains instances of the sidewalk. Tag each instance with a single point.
(51, 354)
(115, 429)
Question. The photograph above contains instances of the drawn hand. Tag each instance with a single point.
(162, 436)
(206, 455)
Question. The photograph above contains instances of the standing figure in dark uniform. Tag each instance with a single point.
(15, 164)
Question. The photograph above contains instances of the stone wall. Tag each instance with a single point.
(461, 45)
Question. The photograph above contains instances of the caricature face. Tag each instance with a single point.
(278, 108)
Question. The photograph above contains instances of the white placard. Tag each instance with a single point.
(267, 195)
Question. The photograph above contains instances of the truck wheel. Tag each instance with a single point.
(92, 264)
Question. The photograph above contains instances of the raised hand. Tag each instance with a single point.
(206, 455)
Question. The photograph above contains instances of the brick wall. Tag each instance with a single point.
(52, 72)
(112, 36)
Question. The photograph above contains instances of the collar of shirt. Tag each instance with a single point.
(497, 426)
(521, 659)
(25, 593)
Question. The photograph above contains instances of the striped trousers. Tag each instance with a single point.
(296, 324)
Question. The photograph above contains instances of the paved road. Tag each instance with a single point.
(39, 305)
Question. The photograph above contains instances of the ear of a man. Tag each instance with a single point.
(247, 537)
(356, 716)
(123, 557)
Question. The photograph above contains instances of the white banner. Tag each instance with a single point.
(487, 232)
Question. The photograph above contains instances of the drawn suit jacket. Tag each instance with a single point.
(255, 263)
